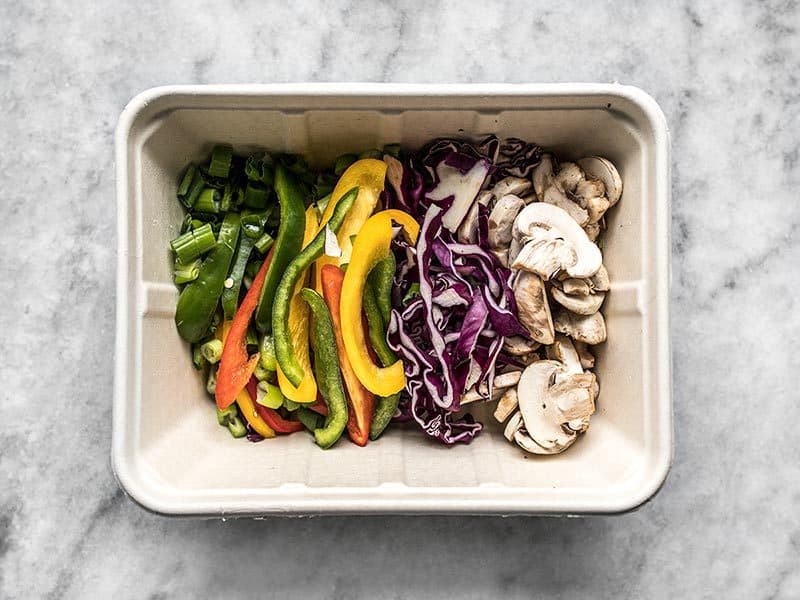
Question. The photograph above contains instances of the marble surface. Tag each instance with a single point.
(727, 521)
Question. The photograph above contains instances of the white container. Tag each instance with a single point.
(170, 455)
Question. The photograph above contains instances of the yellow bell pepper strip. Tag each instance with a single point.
(306, 392)
(250, 413)
(371, 246)
(368, 175)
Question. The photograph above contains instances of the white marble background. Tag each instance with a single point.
(727, 522)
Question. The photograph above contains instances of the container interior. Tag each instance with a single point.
(173, 433)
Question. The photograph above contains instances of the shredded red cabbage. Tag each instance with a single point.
(451, 335)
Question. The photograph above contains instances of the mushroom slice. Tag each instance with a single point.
(514, 424)
(467, 232)
(586, 357)
(568, 177)
(575, 287)
(576, 395)
(541, 414)
(596, 207)
(532, 307)
(597, 167)
(600, 282)
(499, 384)
(553, 195)
(563, 350)
(582, 305)
(516, 186)
(589, 329)
(578, 256)
(501, 220)
(589, 188)
(514, 248)
(592, 231)
(516, 345)
(507, 404)
(543, 175)
(502, 256)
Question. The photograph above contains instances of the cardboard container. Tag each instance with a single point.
(170, 455)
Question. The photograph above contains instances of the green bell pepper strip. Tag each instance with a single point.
(381, 278)
(288, 244)
(230, 293)
(385, 406)
(328, 375)
(198, 300)
(284, 351)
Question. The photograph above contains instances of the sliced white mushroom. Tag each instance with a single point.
(501, 220)
(484, 197)
(590, 329)
(568, 176)
(585, 355)
(563, 350)
(600, 281)
(468, 230)
(548, 406)
(589, 188)
(553, 195)
(592, 231)
(499, 384)
(514, 424)
(507, 404)
(533, 309)
(501, 255)
(597, 167)
(543, 176)
(516, 345)
(514, 248)
(581, 305)
(575, 287)
(516, 186)
(564, 238)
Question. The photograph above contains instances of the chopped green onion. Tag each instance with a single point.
(192, 244)
(253, 222)
(186, 225)
(195, 188)
(207, 201)
(229, 417)
(392, 150)
(261, 373)
(220, 164)
(267, 356)
(197, 357)
(197, 224)
(413, 292)
(227, 198)
(186, 180)
(212, 351)
(344, 161)
(186, 272)
(211, 382)
(255, 195)
(377, 154)
(264, 243)
(269, 395)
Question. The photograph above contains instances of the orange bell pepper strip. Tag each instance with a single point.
(368, 175)
(235, 367)
(361, 402)
(372, 245)
(299, 330)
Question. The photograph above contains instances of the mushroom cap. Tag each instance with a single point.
(590, 329)
(569, 176)
(540, 217)
(545, 254)
(581, 305)
(533, 309)
(516, 186)
(540, 409)
(597, 167)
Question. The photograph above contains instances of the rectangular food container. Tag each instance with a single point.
(170, 455)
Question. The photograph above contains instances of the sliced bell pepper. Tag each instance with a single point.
(235, 368)
(270, 416)
(250, 411)
(372, 245)
(299, 316)
(369, 175)
(361, 402)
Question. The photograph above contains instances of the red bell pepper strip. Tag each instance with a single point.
(235, 367)
(360, 401)
(270, 416)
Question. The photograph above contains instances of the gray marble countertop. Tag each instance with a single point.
(727, 521)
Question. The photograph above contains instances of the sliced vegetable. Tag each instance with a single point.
(229, 417)
(185, 273)
(194, 243)
(235, 366)
(212, 351)
(198, 300)
(270, 417)
(250, 412)
(381, 279)
(269, 395)
(288, 361)
(233, 283)
(372, 245)
(220, 164)
(328, 374)
(287, 245)
(360, 401)
(267, 353)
